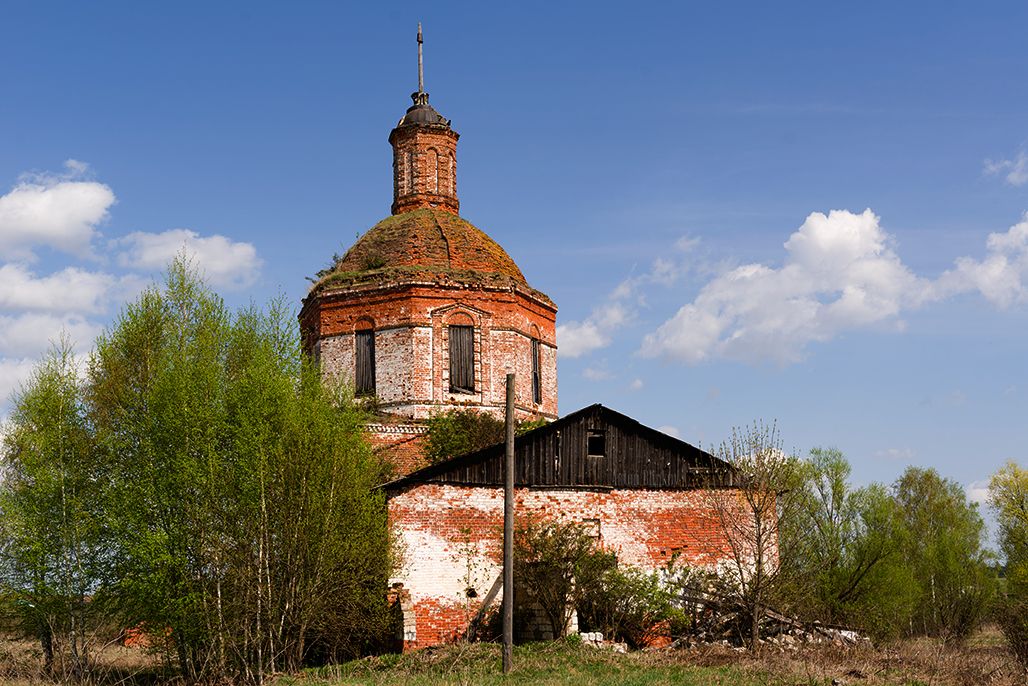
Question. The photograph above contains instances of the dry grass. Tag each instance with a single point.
(21, 664)
(984, 660)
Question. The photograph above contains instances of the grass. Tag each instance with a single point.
(922, 662)
(985, 660)
(544, 664)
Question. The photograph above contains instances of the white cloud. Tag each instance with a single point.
(597, 374)
(57, 211)
(577, 338)
(31, 334)
(978, 492)
(840, 273)
(224, 263)
(69, 290)
(896, 454)
(1014, 172)
(1001, 275)
(13, 373)
(636, 385)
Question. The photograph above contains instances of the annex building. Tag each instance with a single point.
(427, 313)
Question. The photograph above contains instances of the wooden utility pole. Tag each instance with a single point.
(508, 533)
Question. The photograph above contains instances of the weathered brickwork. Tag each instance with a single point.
(411, 327)
(450, 538)
(402, 445)
(424, 269)
(424, 168)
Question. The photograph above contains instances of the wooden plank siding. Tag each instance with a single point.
(556, 455)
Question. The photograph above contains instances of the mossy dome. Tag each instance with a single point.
(426, 245)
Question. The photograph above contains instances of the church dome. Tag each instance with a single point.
(422, 114)
(427, 245)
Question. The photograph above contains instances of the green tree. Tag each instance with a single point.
(850, 545)
(55, 553)
(1008, 496)
(945, 554)
(246, 518)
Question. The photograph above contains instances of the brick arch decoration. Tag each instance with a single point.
(460, 318)
(460, 314)
(364, 323)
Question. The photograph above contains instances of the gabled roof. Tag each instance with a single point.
(557, 455)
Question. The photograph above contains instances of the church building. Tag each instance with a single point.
(427, 313)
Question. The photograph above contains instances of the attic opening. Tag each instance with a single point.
(596, 443)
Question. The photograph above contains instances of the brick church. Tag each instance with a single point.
(427, 313)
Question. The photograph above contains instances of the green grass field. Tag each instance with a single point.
(543, 664)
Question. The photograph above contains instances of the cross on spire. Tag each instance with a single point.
(421, 64)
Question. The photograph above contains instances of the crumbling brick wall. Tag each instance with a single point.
(450, 539)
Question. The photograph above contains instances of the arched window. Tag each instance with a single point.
(443, 175)
(537, 382)
(411, 173)
(461, 333)
(433, 171)
(364, 359)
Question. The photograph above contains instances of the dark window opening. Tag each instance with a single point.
(591, 528)
(364, 344)
(596, 443)
(462, 359)
(537, 386)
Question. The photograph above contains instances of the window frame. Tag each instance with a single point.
(537, 378)
(360, 381)
(461, 343)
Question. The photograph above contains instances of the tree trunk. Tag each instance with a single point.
(46, 641)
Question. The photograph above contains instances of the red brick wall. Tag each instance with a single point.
(402, 445)
(424, 169)
(450, 536)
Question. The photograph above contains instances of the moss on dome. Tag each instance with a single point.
(426, 246)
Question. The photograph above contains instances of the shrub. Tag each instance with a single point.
(629, 605)
(557, 563)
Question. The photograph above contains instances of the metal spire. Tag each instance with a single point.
(421, 64)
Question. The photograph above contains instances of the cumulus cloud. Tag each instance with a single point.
(57, 211)
(63, 211)
(224, 263)
(579, 338)
(1014, 172)
(69, 290)
(840, 273)
(31, 334)
(1001, 275)
(13, 373)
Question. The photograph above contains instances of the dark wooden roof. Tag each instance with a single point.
(634, 456)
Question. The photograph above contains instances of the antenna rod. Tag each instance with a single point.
(421, 65)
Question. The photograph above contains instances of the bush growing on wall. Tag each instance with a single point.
(458, 432)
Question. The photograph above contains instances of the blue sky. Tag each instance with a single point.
(667, 173)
